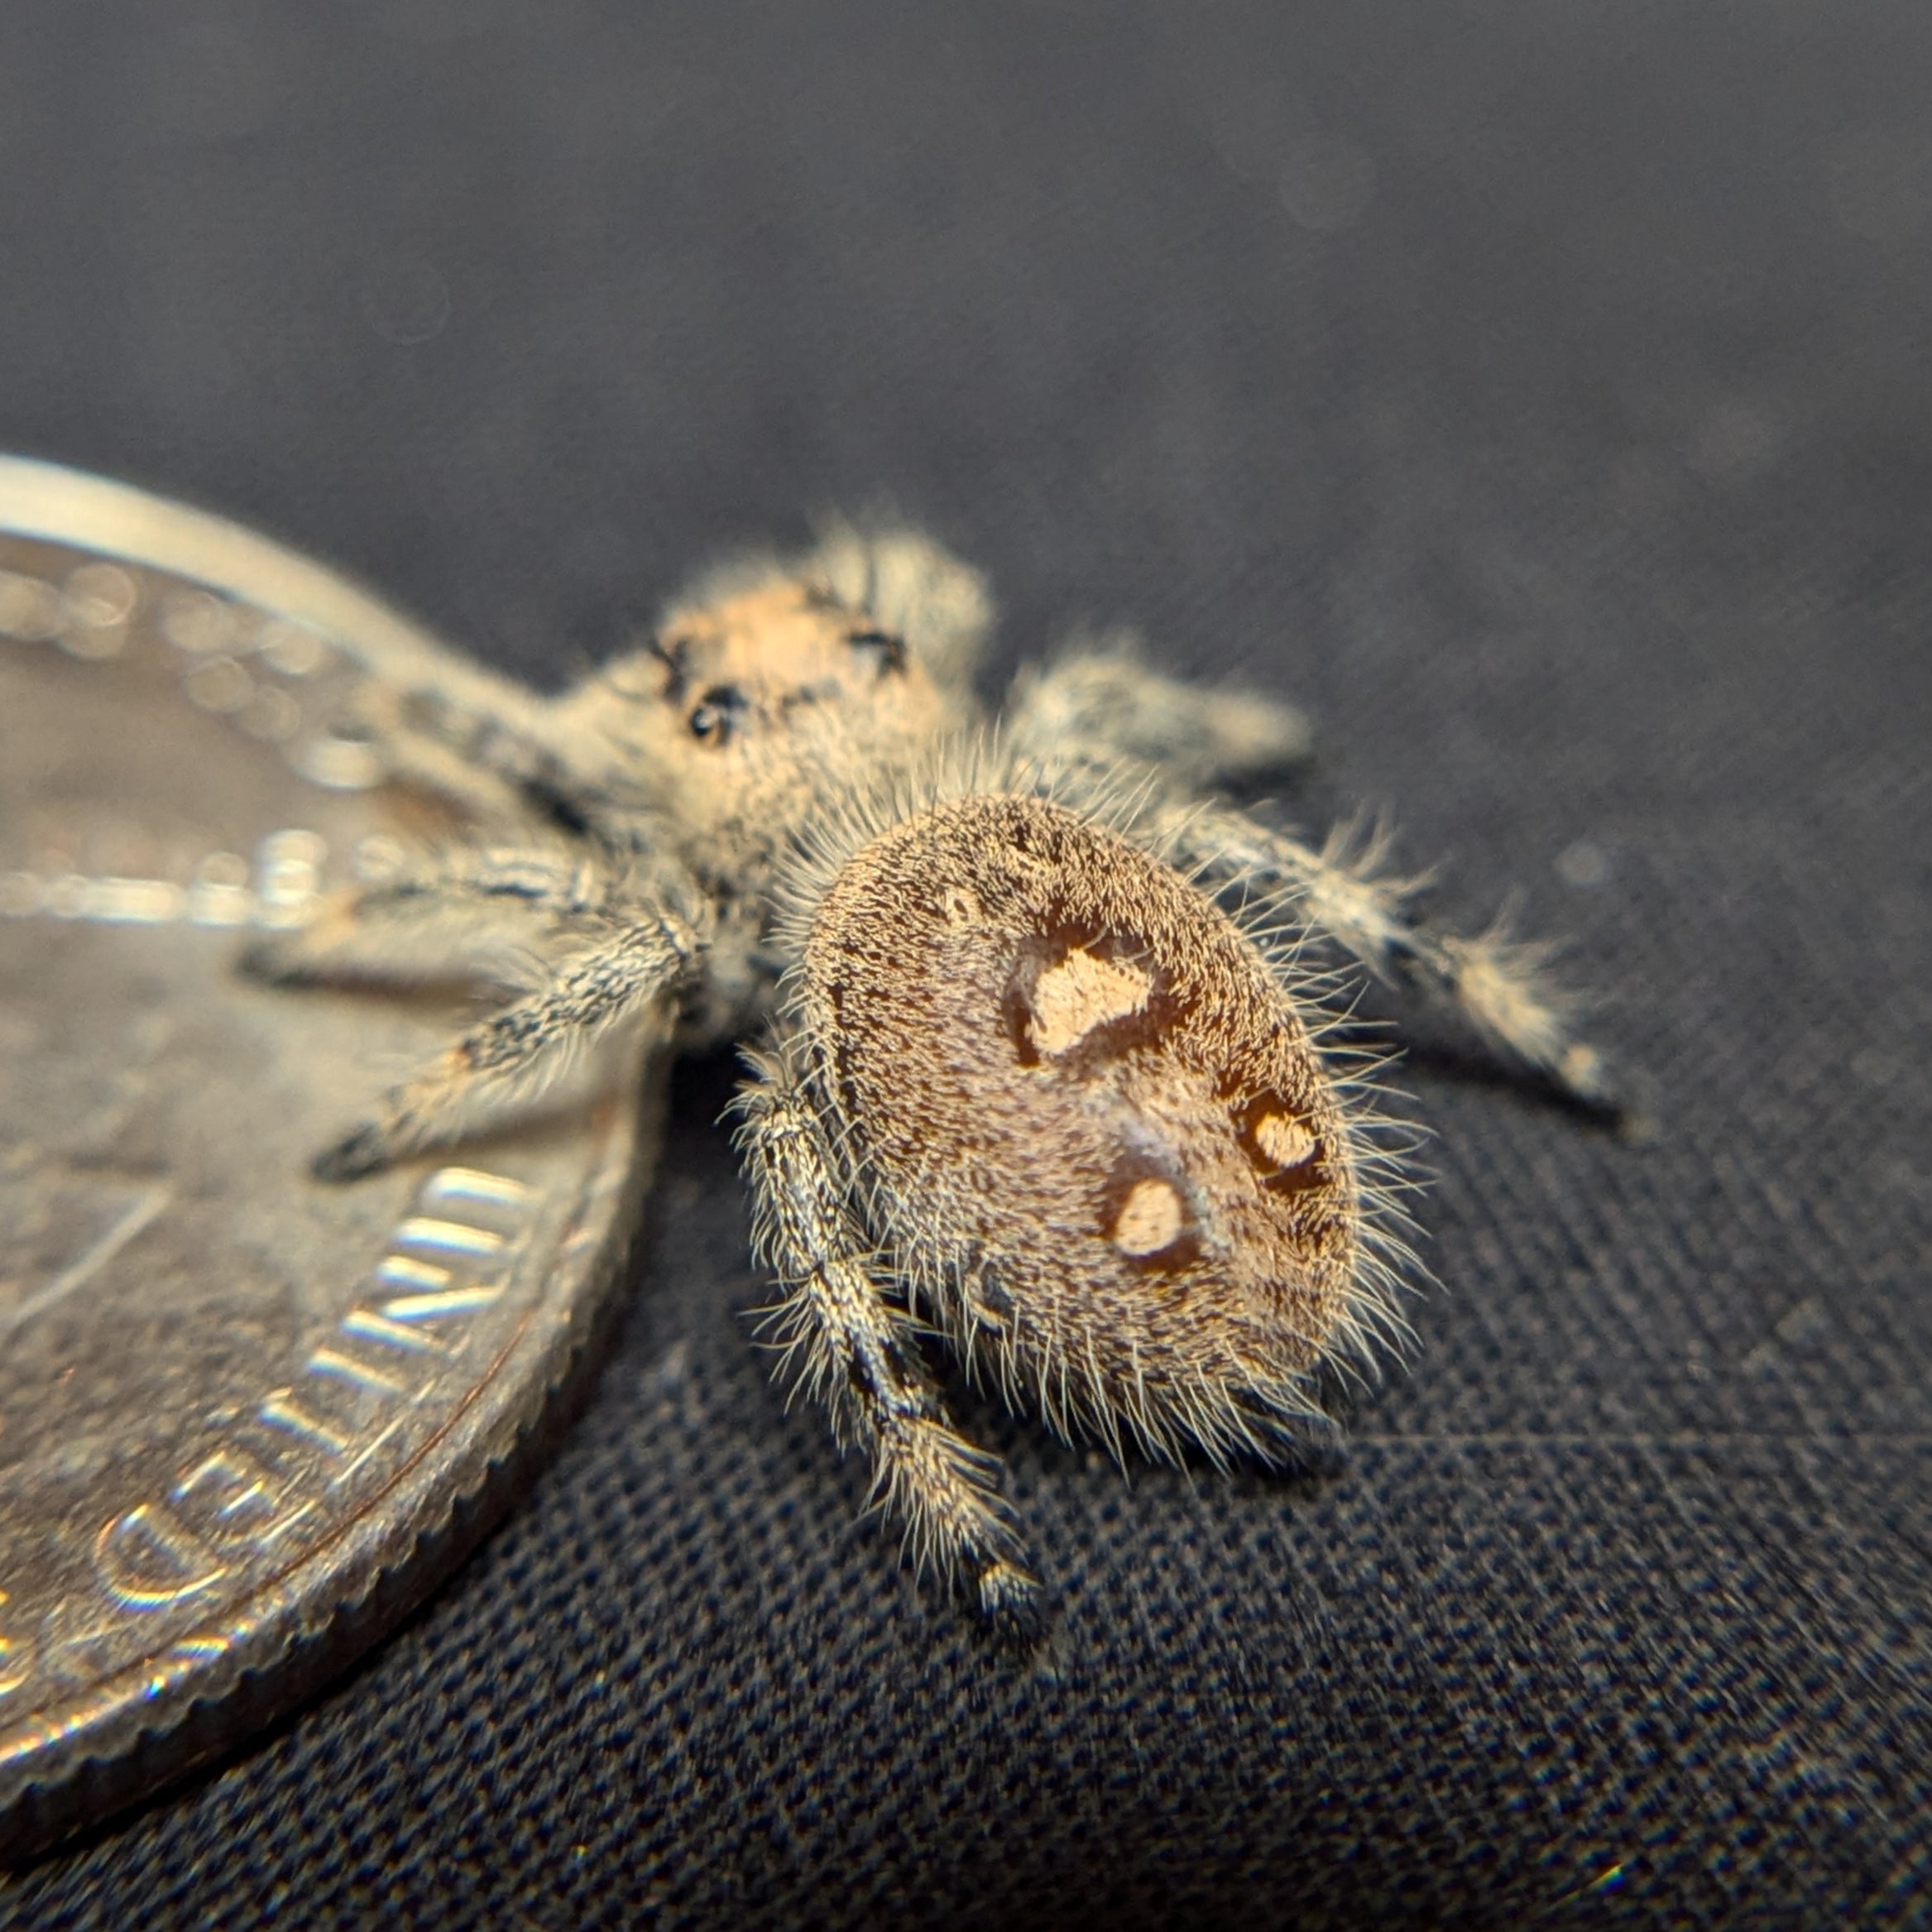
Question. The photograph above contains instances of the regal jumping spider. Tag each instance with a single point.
(1045, 1064)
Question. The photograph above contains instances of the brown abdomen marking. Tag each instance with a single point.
(1056, 1061)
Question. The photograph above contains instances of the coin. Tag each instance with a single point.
(247, 1419)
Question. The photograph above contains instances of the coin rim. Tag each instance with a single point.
(49, 503)
(127, 1734)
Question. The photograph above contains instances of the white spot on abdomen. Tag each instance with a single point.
(1082, 992)
(1151, 1218)
(1287, 1143)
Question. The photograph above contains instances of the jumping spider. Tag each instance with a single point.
(1045, 1068)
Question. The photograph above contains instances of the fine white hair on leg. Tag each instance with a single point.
(507, 1063)
(854, 1351)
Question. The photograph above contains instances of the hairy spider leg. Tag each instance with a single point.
(1496, 984)
(504, 1065)
(853, 1350)
(1099, 705)
(463, 912)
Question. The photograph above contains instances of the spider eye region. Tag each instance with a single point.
(890, 648)
(719, 715)
(1059, 1066)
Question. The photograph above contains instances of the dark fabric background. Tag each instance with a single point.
(1540, 392)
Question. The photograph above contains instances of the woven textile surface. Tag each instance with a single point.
(1539, 394)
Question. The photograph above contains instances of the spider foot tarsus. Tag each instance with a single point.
(361, 1153)
(1500, 987)
(1010, 1605)
(273, 961)
(854, 1350)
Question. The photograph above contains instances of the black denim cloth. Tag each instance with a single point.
(1542, 393)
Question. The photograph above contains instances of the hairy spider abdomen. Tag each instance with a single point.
(1087, 1116)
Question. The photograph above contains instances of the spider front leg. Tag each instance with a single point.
(624, 978)
(858, 1354)
(467, 913)
(1496, 984)
(444, 725)
(1100, 705)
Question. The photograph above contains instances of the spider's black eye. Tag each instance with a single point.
(891, 648)
(718, 714)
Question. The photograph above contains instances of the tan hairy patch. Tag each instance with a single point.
(803, 707)
(1082, 992)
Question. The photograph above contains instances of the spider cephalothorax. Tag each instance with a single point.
(1046, 1067)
